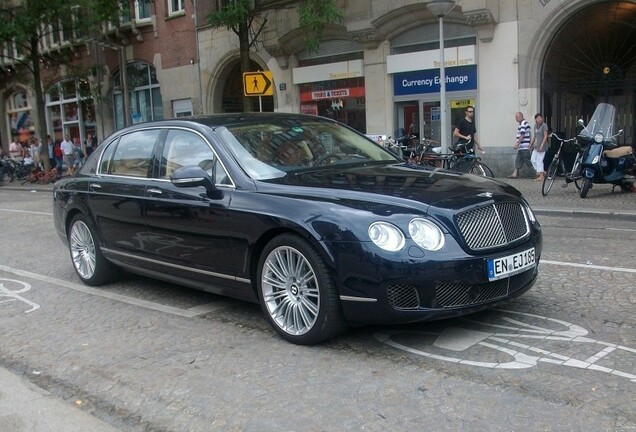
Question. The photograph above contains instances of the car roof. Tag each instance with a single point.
(228, 120)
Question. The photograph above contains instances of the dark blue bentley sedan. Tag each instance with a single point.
(309, 218)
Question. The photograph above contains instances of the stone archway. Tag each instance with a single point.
(587, 56)
(226, 86)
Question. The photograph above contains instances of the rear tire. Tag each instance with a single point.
(585, 187)
(297, 292)
(89, 263)
(549, 178)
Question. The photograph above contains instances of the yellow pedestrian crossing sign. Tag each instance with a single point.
(258, 83)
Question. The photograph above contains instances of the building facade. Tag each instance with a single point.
(378, 71)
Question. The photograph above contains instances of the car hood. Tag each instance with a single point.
(398, 184)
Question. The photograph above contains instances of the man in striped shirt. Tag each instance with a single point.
(524, 153)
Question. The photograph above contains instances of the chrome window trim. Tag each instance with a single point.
(150, 127)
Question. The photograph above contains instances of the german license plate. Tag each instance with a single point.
(512, 264)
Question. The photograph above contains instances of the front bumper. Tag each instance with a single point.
(392, 291)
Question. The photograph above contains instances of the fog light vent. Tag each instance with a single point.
(403, 296)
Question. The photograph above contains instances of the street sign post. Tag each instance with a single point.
(258, 83)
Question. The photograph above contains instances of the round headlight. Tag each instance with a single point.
(598, 137)
(426, 234)
(386, 236)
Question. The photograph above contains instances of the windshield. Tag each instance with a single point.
(602, 121)
(274, 147)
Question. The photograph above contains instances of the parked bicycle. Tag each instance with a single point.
(557, 166)
(463, 159)
(17, 170)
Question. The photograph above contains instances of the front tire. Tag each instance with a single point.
(297, 293)
(89, 263)
(585, 187)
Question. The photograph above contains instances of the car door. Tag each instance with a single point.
(187, 228)
(117, 192)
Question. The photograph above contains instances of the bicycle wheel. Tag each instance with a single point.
(463, 166)
(487, 171)
(548, 180)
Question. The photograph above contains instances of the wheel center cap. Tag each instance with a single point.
(294, 289)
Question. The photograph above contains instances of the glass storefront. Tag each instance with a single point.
(70, 109)
(341, 100)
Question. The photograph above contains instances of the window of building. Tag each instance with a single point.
(142, 10)
(144, 95)
(176, 7)
(181, 108)
(426, 38)
(19, 117)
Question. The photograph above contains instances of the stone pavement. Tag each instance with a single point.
(24, 406)
(600, 202)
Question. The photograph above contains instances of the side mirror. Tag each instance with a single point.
(581, 123)
(194, 176)
(620, 132)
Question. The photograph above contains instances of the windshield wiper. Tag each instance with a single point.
(338, 166)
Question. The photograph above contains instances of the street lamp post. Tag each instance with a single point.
(441, 8)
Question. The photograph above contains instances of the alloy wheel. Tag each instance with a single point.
(290, 290)
(82, 248)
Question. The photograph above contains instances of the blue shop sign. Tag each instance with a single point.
(427, 81)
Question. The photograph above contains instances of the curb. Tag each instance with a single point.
(577, 213)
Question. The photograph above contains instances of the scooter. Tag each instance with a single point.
(603, 160)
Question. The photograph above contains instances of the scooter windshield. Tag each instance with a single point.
(602, 121)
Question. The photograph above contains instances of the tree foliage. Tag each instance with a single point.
(314, 16)
(27, 29)
(241, 17)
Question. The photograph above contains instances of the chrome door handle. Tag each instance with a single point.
(94, 186)
(154, 191)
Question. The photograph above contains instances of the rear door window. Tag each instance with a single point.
(133, 154)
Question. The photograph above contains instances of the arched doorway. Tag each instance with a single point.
(232, 100)
(592, 59)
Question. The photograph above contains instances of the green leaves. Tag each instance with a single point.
(234, 14)
(314, 16)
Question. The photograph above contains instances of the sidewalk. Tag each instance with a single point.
(26, 407)
(600, 201)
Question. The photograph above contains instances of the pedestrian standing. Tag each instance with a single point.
(466, 132)
(59, 157)
(16, 151)
(50, 149)
(68, 151)
(90, 143)
(522, 145)
(539, 146)
(78, 153)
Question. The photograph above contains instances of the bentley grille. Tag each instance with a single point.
(493, 225)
